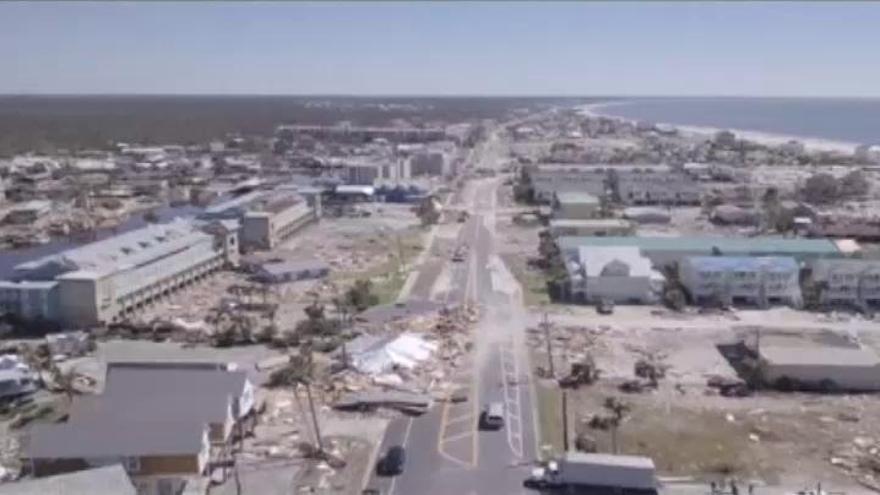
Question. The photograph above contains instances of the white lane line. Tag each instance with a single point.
(405, 438)
(458, 419)
(511, 400)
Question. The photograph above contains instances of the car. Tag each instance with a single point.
(392, 462)
(605, 307)
(492, 417)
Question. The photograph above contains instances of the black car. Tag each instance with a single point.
(392, 462)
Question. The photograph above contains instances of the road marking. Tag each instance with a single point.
(405, 438)
(512, 398)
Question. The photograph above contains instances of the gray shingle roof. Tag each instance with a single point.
(78, 440)
(138, 380)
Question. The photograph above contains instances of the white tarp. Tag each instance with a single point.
(405, 351)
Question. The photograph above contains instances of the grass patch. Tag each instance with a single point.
(549, 419)
(388, 289)
(533, 281)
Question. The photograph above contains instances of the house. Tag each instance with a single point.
(168, 423)
(16, 377)
(590, 227)
(575, 205)
(291, 271)
(846, 282)
(732, 279)
(185, 384)
(159, 457)
(105, 480)
(617, 273)
(820, 367)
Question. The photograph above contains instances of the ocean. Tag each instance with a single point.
(833, 119)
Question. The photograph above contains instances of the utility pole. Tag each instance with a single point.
(564, 421)
(546, 324)
(314, 417)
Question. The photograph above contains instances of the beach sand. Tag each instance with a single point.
(765, 138)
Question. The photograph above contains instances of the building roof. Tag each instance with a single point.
(107, 480)
(600, 261)
(78, 440)
(803, 355)
(576, 197)
(727, 245)
(160, 407)
(123, 251)
(137, 379)
(778, 264)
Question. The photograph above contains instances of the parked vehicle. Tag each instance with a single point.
(392, 462)
(492, 417)
(605, 307)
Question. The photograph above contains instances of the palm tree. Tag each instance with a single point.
(300, 370)
(618, 410)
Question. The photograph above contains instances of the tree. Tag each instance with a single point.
(316, 323)
(360, 295)
(300, 370)
(821, 188)
(854, 184)
(428, 211)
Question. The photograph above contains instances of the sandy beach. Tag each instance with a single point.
(766, 138)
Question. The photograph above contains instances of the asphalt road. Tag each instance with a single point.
(446, 452)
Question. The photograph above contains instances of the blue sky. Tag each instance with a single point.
(761, 49)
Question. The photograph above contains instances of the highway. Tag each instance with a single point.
(446, 453)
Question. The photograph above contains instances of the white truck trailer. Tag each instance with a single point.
(577, 471)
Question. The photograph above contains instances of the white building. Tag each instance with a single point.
(576, 205)
(272, 221)
(102, 281)
(618, 273)
(848, 282)
(731, 279)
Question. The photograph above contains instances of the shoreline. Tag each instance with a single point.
(765, 138)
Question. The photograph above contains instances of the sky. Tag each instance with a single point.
(456, 48)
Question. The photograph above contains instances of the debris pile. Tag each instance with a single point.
(860, 459)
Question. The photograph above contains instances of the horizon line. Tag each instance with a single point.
(428, 95)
